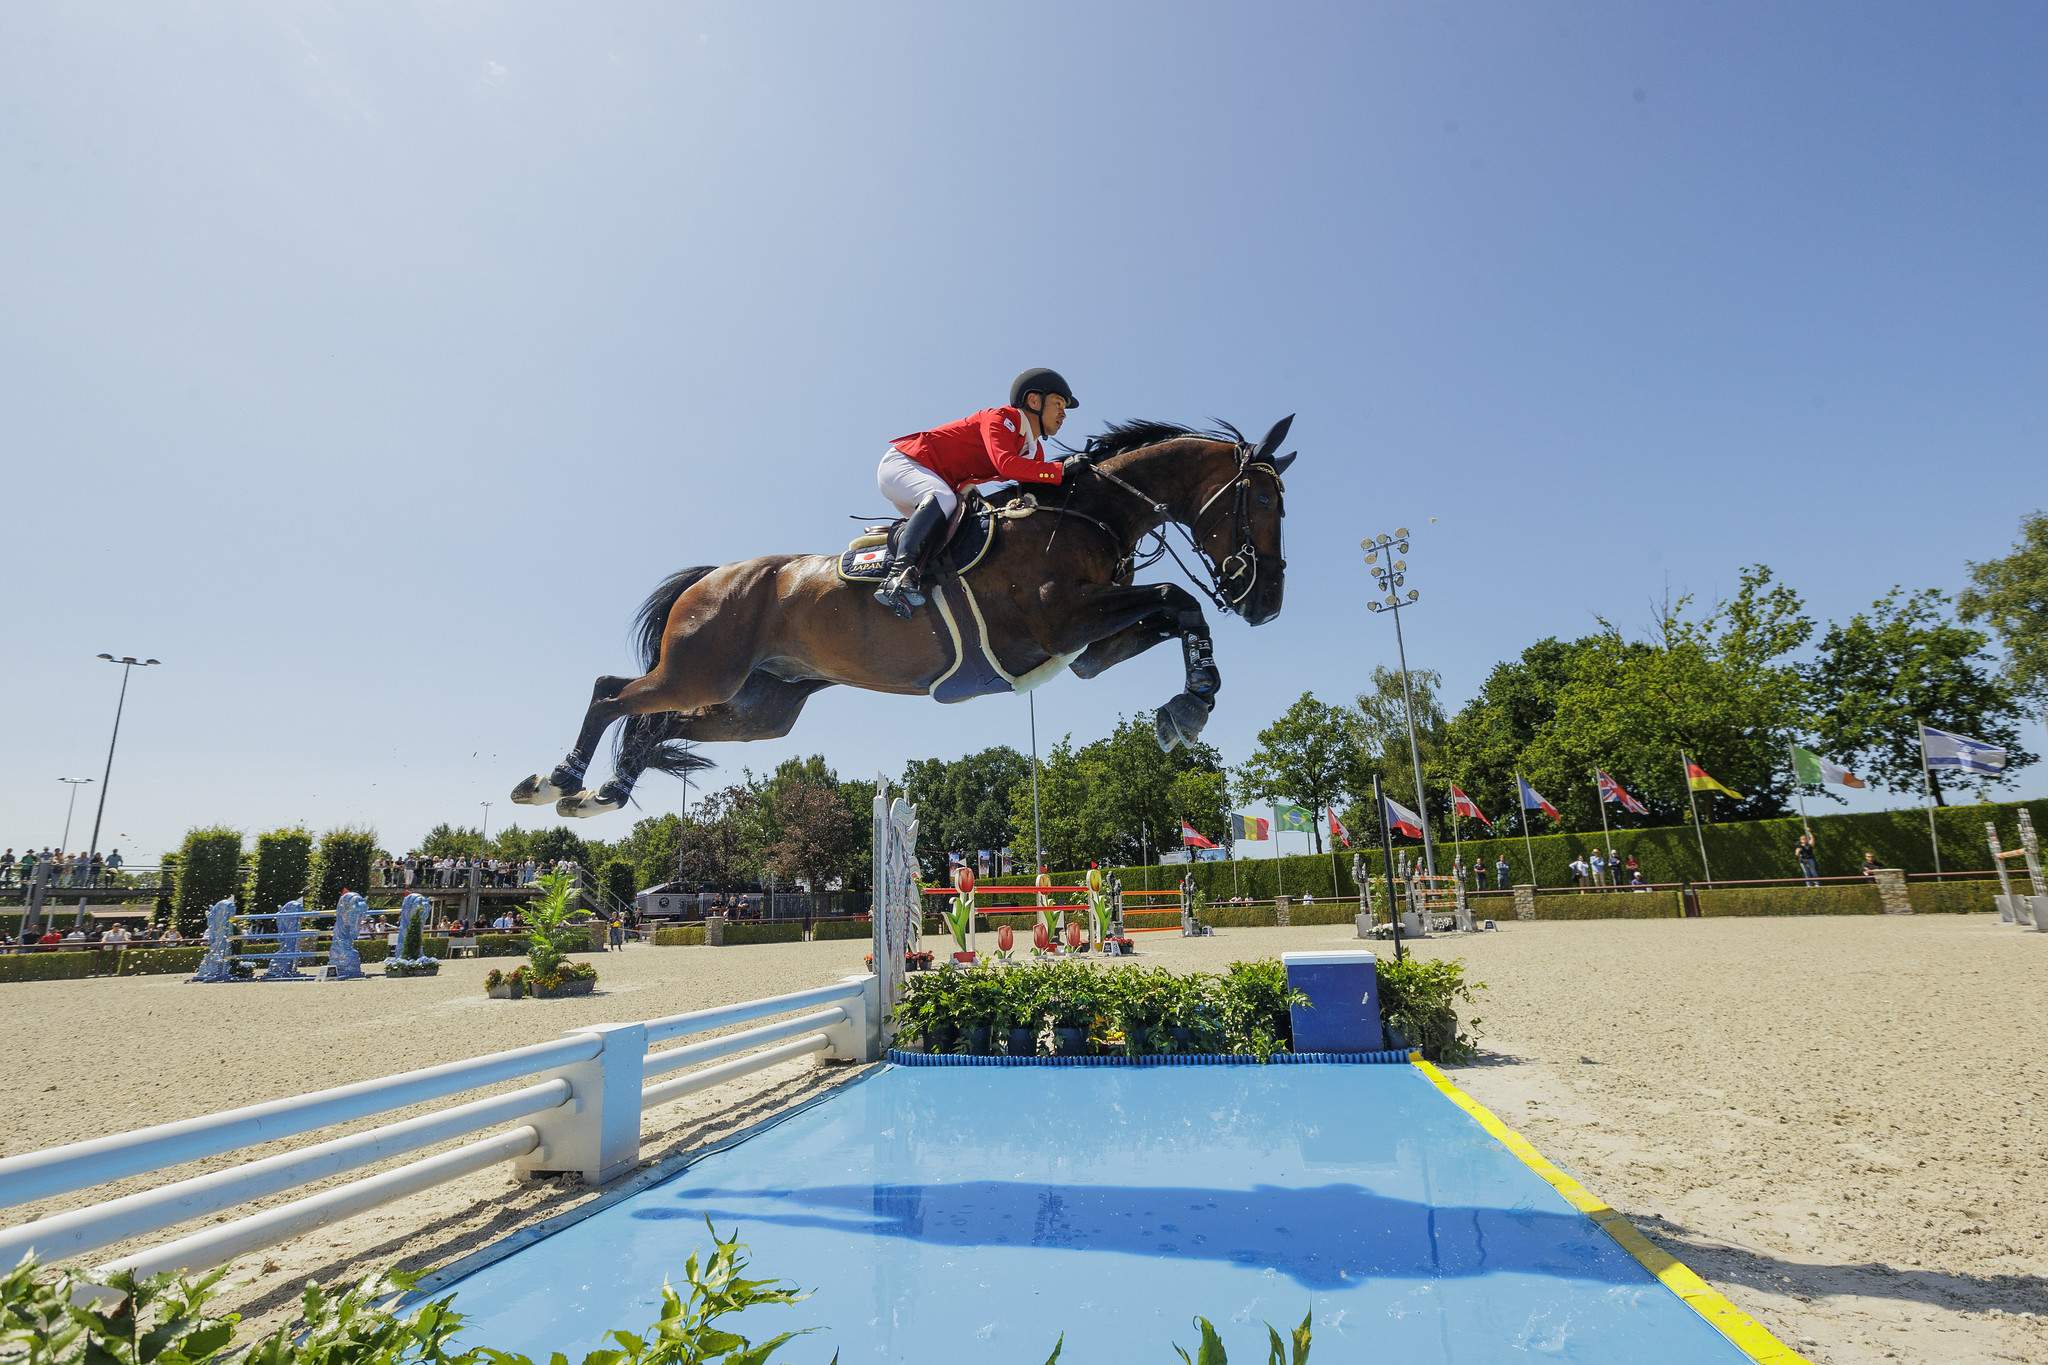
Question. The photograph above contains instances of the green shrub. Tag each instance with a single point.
(160, 961)
(167, 892)
(283, 859)
(1604, 905)
(1240, 916)
(500, 945)
(679, 936)
(1419, 1000)
(47, 966)
(374, 949)
(620, 881)
(825, 929)
(342, 864)
(209, 867)
(1320, 912)
(1258, 1008)
(764, 931)
(1959, 898)
(1790, 900)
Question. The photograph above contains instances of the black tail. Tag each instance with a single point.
(653, 617)
(656, 743)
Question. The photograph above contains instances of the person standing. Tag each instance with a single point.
(1598, 865)
(1501, 873)
(1809, 861)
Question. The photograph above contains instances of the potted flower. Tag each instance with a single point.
(412, 959)
(548, 973)
(505, 985)
(1072, 996)
(929, 1012)
(1022, 997)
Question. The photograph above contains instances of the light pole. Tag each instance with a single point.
(487, 821)
(75, 783)
(129, 663)
(1037, 841)
(1389, 577)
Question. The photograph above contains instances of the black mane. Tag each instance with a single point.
(1122, 436)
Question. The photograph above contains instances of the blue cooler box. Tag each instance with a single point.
(1343, 989)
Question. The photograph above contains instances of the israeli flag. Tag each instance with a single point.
(1960, 753)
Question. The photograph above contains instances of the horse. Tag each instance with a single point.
(732, 652)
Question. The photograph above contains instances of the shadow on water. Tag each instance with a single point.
(1325, 1237)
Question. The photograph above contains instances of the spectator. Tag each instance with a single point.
(618, 931)
(114, 861)
(1578, 866)
(526, 872)
(116, 937)
(1635, 873)
(171, 934)
(77, 934)
(1870, 864)
(50, 937)
(1501, 873)
(96, 871)
(1598, 866)
(1809, 863)
(7, 868)
(504, 923)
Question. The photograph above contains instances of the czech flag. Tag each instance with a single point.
(1464, 805)
(1192, 838)
(1337, 830)
(1533, 799)
(1610, 790)
(1249, 827)
(1400, 819)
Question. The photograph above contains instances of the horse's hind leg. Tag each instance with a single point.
(567, 778)
(765, 707)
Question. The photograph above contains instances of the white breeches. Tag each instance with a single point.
(906, 483)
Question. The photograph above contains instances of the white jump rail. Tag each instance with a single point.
(582, 1116)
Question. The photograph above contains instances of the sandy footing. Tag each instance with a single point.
(1842, 1123)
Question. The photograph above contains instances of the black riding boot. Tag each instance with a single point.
(903, 590)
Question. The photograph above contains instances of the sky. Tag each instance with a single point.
(368, 364)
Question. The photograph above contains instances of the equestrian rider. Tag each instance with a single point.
(923, 472)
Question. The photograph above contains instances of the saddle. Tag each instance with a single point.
(866, 557)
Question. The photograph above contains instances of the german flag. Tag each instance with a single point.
(1696, 778)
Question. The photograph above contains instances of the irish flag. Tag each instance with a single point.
(1812, 770)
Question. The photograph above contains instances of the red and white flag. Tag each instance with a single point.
(1400, 819)
(1337, 830)
(1190, 837)
(1610, 790)
(1464, 805)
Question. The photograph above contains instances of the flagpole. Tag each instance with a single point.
(1387, 857)
(1279, 856)
(1335, 888)
(1799, 790)
(1457, 843)
(1927, 791)
(1527, 846)
(1606, 835)
(1690, 800)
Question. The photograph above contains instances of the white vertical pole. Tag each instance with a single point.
(1606, 836)
(1685, 771)
(1927, 791)
(1522, 815)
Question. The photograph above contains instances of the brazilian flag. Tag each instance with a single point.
(1300, 819)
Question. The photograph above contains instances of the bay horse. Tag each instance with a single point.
(733, 652)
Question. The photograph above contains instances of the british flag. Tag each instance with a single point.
(1610, 790)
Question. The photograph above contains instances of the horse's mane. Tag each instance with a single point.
(1119, 437)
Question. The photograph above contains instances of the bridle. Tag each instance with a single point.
(1231, 580)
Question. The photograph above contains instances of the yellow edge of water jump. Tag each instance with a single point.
(1751, 1337)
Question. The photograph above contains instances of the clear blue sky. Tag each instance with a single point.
(368, 364)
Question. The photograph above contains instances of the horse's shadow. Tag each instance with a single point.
(1327, 1237)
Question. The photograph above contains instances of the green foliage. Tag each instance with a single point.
(1857, 899)
(1419, 999)
(679, 936)
(1293, 1350)
(2010, 594)
(414, 946)
(763, 931)
(840, 929)
(452, 841)
(965, 803)
(553, 844)
(1382, 723)
(619, 882)
(547, 920)
(209, 867)
(160, 961)
(1311, 755)
(51, 966)
(652, 848)
(1119, 797)
(819, 836)
(283, 858)
(1257, 1008)
(1882, 673)
(168, 1320)
(342, 864)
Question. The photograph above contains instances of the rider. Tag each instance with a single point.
(922, 472)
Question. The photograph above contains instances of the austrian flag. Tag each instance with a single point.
(1400, 819)
(1190, 837)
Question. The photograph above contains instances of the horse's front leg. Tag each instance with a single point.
(1133, 620)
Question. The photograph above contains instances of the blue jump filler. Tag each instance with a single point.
(1343, 1009)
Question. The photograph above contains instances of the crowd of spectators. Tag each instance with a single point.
(54, 933)
(66, 869)
(445, 872)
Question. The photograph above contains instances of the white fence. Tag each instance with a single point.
(580, 1115)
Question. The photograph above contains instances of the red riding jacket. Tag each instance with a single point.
(987, 447)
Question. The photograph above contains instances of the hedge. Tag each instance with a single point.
(679, 936)
(1239, 916)
(764, 931)
(1599, 905)
(1791, 900)
(46, 966)
(1745, 851)
(1321, 912)
(825, 929)
(161, 961)
(209, 868)
(1959, 898)
(342, 864)
(283, 858)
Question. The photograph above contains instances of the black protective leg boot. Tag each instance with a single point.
(902, 592)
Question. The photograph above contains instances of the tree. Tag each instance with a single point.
(1882, 674)
(2010, 594)
(551, 846)
(965, 805)
(652, 847)
(1383, 743)
(819, 834)
(452, 841)
(719, 842)
(1310, 756)
(1485, 743)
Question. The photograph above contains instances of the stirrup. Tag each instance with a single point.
(900, 594)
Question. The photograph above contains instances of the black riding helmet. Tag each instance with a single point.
(1041, 381)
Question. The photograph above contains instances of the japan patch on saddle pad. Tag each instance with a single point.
(951, 608)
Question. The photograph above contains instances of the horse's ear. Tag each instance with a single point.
(1274, 438)
(1280, 465)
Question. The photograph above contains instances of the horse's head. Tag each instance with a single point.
(1237, 523)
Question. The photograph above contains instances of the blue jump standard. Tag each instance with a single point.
(946, 1214)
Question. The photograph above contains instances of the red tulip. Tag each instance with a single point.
(1042, 937)
(1006, 938)
(1074, 936)
(963, 878)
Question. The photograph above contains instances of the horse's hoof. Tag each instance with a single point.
(1180, 721)
(537, 791)
(585, 804)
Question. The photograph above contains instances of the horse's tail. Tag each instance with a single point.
(653, 618)
(657, 743)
